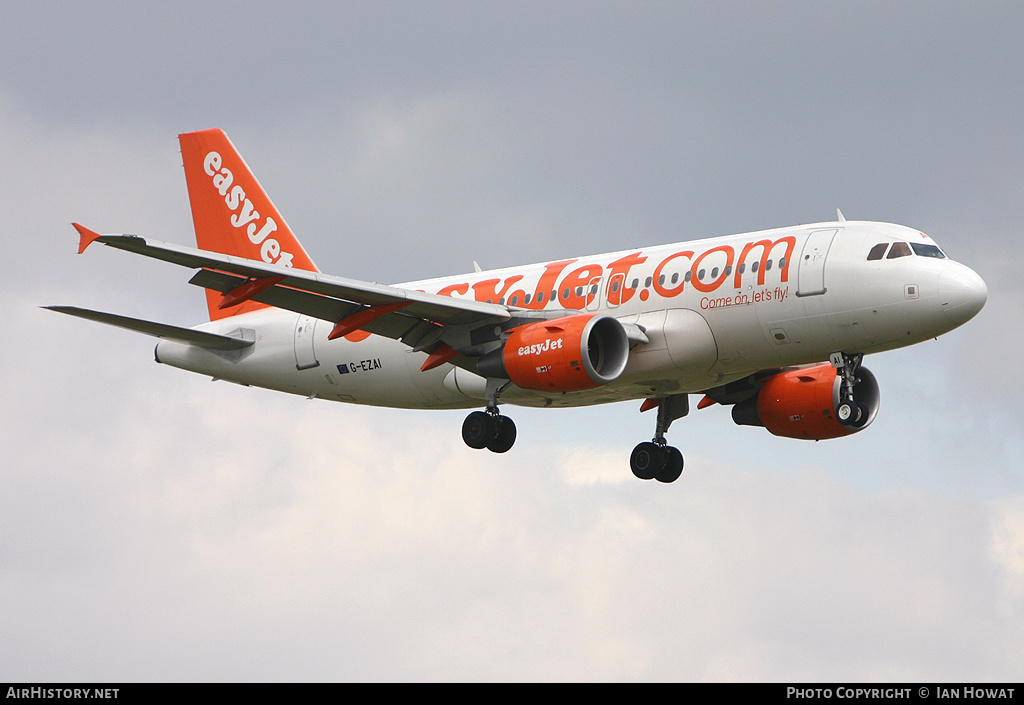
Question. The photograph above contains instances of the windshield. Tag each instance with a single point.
(925, 250)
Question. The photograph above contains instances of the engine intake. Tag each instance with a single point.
(561, 355)
(802, 403)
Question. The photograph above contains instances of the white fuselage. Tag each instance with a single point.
(713, 310)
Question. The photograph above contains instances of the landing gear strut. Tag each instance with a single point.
(489, 429)
(849, 411)
(655, 459)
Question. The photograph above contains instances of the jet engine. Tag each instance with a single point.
(567, 354)
(803, 403)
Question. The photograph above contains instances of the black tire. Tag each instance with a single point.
(673, 465)
(478, 430)
(504, 435)
(862, 416)
(646, 460)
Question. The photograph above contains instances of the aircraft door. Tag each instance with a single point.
(615, 290)
(811, 270)
(305, 357)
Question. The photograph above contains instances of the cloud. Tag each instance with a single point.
(182, 529)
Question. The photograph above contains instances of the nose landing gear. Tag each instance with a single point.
(849, 411)
(655, 459)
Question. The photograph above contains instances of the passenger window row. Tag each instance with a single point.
(701, 275)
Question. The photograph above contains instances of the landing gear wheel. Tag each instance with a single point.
(504, 435)
(850, 413)
(863, 415)
(647, 460)
(673, 465)
(847, 412)
(492, 431)
(478, 429)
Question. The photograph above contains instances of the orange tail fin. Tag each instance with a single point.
(232, 213)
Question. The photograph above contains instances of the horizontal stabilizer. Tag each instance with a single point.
(189, 336)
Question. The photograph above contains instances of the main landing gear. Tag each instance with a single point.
(651, 460)
(655, 459)
(489, 429)
(849, 411)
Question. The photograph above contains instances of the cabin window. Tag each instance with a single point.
(925, 250)
(675, 277)
(526, 300)
(743, 267)
(647, 284)
(782, 262)
(768, 266)
(689, 276)
(700, 275)
(513, 301)
(565, 293)
(615, 286)
(579, 291)
(878, 251)
(728, 269)
(540, 297)
(714, 273)
(635, 284)
(754, 265)
(899, 249)
(661, 280)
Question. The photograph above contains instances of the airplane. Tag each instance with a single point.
(773, 323)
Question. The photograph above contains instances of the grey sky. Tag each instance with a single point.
(160, 527)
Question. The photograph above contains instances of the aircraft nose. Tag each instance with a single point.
(962, 293)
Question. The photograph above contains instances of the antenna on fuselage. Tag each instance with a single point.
(840, 216)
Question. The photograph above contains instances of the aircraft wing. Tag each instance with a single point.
(442, 309)
(415, 317)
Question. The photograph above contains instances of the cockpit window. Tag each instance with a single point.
(878, 251)
(899, 249)
(925, 250)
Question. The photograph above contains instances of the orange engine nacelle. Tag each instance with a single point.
(802, 403)
(562, 355)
